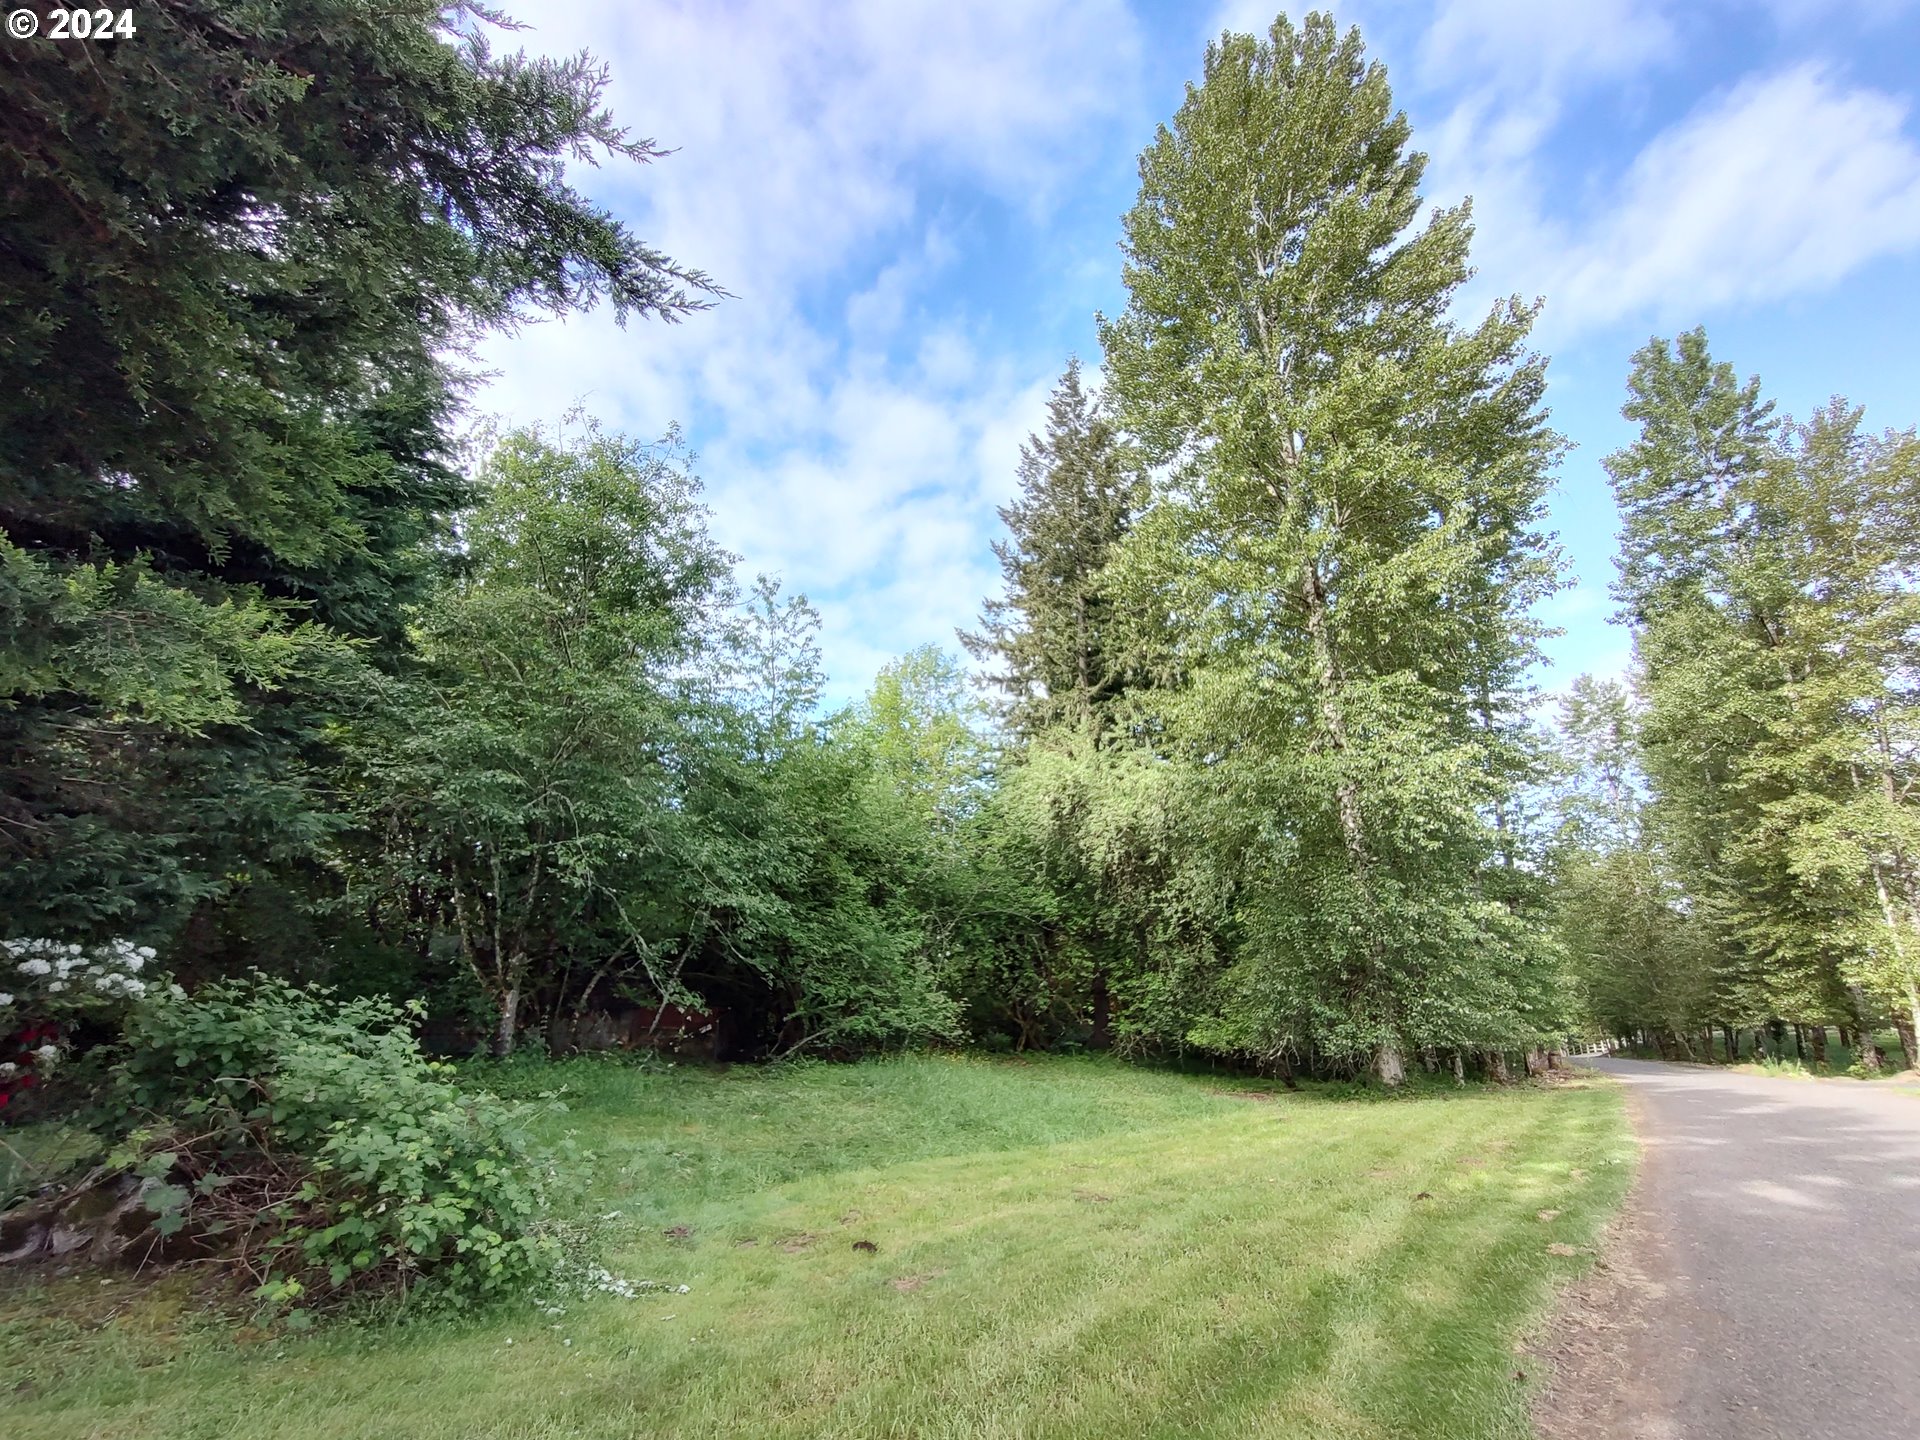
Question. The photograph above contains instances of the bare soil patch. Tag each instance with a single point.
(1593, 1390)
(907, 1284)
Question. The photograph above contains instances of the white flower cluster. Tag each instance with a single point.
(43, 1060)
(111, 970)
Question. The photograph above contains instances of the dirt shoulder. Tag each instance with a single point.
(1593, 1386)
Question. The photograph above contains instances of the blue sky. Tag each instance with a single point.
(916, 206)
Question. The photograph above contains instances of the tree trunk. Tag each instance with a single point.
(1083, 659)
(1497, 1067)
(1733, 1044)
(1313, 597)
(1865, 1053)
(1459, 1068)
(1820, 1045)
(1909, 885)
(1388, 1065)
(1101, 1037)
(504, 1036)
(1905, 1025)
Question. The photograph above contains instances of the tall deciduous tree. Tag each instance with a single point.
(532, 781)
(1768, 571)
(1639, 953)
(1344, 554)
(918, 719)
(777, 676)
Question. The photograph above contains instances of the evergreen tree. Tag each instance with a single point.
(1851, 735)
(1063, 671)
(1343, 557)
(1052, 634)
(1705, 633)
(239, 252)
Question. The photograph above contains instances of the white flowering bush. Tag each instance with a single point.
(48, 986)
(45, 979)
(299, 1137)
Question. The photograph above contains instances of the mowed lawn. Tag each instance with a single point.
(1058, 1248)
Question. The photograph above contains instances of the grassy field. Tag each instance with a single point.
(1058, 1248)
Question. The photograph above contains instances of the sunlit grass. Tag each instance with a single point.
(1061, 1248)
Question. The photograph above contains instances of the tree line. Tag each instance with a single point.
(307, 676)
(1738, 849)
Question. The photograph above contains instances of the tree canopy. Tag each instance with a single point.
(307, 669)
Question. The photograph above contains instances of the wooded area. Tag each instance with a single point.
(313, 680)
(300, 690)
(1739, 821)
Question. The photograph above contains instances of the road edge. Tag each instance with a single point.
(1584, 1389)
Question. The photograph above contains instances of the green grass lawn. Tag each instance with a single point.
(1059, 1248)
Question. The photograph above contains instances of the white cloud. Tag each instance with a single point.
(851, 433)
(1544, 45)
(857, 421)
(1781, 183)
(1784, 184)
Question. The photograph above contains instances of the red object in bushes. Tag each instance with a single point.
(19, 1047)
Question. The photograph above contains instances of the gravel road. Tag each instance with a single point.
(1766, 1279)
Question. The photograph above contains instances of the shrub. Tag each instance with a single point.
(308, 1138)
(49, 986)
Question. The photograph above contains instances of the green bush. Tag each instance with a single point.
(309, 1138)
